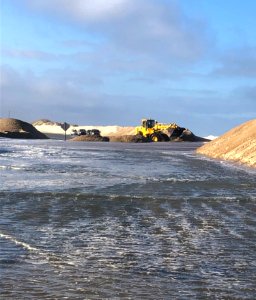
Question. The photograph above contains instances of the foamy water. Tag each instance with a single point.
(124, 221)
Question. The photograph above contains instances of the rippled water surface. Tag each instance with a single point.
(124, 221)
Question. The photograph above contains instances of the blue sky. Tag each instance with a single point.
(114, 62)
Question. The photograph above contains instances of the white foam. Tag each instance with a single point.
(22, 244)
(46, 256)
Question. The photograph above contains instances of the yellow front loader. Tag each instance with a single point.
(158, 132)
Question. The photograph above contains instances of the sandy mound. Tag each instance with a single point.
(90, 138)
(129, 139)
(13, 128)
(238, 144)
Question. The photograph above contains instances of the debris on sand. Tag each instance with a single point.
(188, 136)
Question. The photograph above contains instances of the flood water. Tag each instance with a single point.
(124, 221)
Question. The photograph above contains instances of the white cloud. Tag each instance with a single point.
(84, 10)
(157, 29)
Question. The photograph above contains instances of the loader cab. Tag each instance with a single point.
(148, 123)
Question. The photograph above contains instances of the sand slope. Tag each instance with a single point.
(14, 128)
(238, 144)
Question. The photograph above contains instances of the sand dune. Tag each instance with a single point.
(14, 128)
(55, 128)
(238, 144)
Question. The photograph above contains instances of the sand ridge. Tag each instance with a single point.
(238, 144)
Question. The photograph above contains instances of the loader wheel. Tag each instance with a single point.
(155, 137)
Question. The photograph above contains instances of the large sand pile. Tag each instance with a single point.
(13, 128)
(238, 144)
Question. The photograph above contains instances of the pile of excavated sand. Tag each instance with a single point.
(13, 128)
(90, 138)
(238, 144)
(128, 139)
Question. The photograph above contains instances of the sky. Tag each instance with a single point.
(97, 62)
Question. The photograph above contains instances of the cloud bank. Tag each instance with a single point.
(141, 27)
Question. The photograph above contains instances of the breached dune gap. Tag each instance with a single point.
(238, 145)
